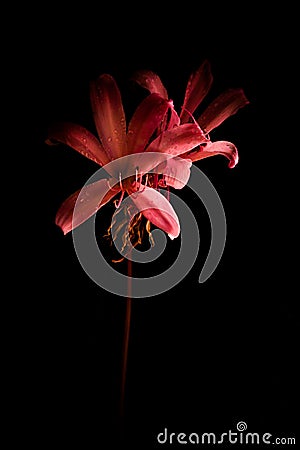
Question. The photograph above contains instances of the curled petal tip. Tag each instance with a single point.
(48, 141)
(63, 227)
(174, 236)
(235, 158)
(224, 148)
(233, 163)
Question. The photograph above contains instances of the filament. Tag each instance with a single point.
(120, 181)
(118, 202)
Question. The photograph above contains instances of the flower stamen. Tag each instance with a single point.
(120, 181)
(191, 115)
(118, 202)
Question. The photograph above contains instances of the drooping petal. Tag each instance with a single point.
(198, 86)
(80, 139)
(91, 198)
(215, 148)
(150, 81)
(109, 115)
(178, 140)
(168, 144)
(156, 208)
(176, 171)
(224, 106)
(146, 119)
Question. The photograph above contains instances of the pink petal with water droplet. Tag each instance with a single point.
(178, 140)
(176, 171)
(92, 197)
(224, 106)
(150, 81)
(109, 115)
(80, 139)
(198, 86)
(156, 208)
(224, 148)
(146, 119)
(169, 144)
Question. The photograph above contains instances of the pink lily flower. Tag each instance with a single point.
(116, 140)
(224, 106)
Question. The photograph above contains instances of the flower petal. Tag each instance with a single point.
(156, 208)
(91, 198)
(176, 171)
(150, 81)
(174, 119)
(168, 144)
(178, 140)
(198, 86)
(80, 139)
(109, 115)
(170, 120)
(147, 117)
(224, 106)
(215, 148)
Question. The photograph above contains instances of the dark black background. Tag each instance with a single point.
(201, 357)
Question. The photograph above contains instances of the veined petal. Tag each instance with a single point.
(146, 119)
(178, 140)
(109, 115)
(176, 171)
(150, 81)
(80, 139)
(156, 208)
(91, 198)
(215, 148)
(224, 106)
(198, 86)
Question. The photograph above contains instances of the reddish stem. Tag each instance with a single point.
(126, 336)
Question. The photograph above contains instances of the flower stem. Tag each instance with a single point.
(126, 336)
